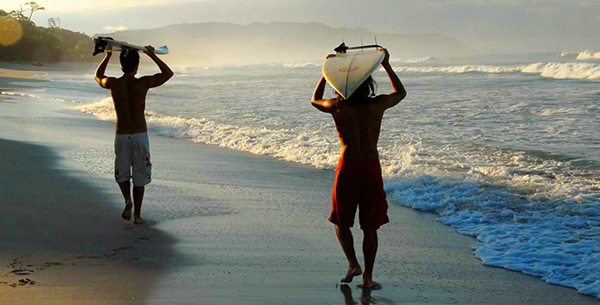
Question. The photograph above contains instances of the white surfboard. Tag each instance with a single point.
(345, 72)
(102, 42)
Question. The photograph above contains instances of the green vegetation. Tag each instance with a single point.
(39, 44)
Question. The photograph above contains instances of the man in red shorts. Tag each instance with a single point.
(358, 175)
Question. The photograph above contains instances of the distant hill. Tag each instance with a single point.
(228, 43)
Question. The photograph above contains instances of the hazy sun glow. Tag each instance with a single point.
(487, 25)
(10, 31)
(87, 5)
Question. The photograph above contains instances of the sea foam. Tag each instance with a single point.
(537, 216)
(587, 55)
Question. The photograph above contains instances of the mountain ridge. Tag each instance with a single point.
(223, 43)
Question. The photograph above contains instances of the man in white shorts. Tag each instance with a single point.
(132, 148)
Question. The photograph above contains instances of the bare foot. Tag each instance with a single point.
(127, 211)
(371, 285)
(352, 272)
(138, 220)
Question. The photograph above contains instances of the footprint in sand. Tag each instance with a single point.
(136, 259)
(21, 271)
(26, 281)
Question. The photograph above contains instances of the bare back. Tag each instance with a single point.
(358, 121)
(358, 128)
(129, 93)
(129, 96)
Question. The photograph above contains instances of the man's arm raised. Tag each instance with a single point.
(325, 105)
(159, 78)
(392, 99)
(101, 79)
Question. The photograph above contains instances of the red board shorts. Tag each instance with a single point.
(358, 183)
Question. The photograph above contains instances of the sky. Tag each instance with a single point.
(497, 26)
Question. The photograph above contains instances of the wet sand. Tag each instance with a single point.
(17, 74)
(223, 227)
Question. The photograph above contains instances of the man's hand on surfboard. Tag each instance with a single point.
(149, 50)
(329, 56)
(108, 49)
(386, 58)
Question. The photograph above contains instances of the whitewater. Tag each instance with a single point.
(503, 148)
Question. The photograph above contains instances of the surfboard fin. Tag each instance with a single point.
(100, 44)
(341, 48)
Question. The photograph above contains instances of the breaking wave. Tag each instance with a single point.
(413, 60)
(585, 55)
(301, 64)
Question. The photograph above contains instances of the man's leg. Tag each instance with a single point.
(345, 237)
(126, 191)
(138, 197)
(370, 251)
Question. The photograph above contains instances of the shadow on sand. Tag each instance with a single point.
(50, 218)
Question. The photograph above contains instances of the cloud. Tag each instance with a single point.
(110, 28)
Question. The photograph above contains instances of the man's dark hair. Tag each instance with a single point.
(367, 89)
(130, 60)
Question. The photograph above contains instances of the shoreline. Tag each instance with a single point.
(9, 75)
(239, 227)
(18, 74)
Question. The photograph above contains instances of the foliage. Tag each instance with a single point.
(39, 44)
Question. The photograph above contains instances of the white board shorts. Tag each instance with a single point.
(133, 151)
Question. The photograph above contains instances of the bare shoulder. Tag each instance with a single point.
(385, 101)
(325, 105)
(107, 82)
(151, 81)
(145, 79)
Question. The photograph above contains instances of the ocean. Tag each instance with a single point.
(505, 148)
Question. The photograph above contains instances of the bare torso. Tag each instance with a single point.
(358, 128)
(129, 96)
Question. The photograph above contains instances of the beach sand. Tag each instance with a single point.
(223, 227)
(17, 74)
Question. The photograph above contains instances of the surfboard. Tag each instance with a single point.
(101, 43)
(350, 67)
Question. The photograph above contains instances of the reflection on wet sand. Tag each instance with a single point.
(365, 297)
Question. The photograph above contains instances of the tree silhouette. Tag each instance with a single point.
(54, 23)
(33, 7)
(17, 14)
